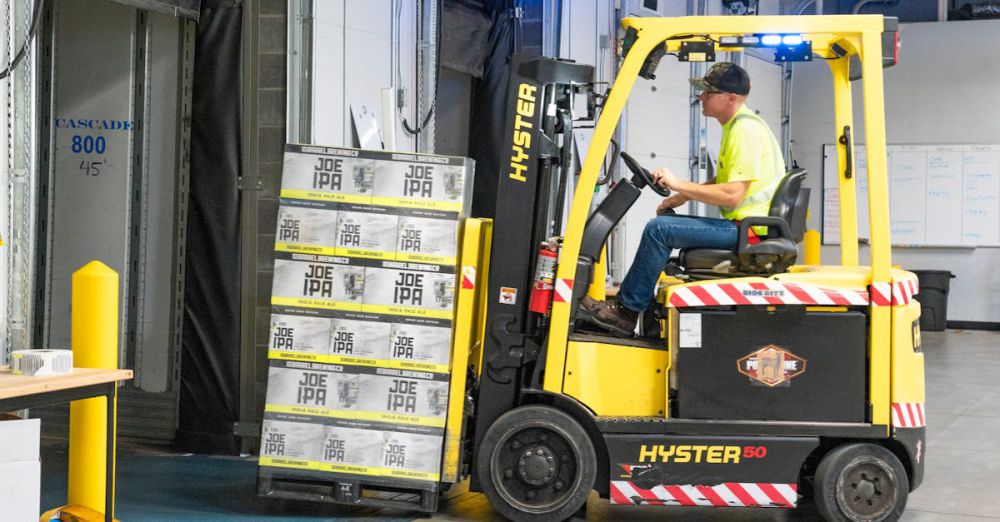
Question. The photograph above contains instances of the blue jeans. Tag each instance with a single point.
(662, 234)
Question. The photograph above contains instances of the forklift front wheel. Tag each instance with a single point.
(861, 482)
(537, 463)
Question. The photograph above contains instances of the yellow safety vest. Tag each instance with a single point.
(750, 152)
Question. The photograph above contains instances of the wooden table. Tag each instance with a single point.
(19, 392)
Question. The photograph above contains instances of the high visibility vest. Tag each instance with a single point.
(757, 201)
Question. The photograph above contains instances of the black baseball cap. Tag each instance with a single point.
(725, 77)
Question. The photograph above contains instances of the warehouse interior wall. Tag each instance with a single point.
(935, 95)
(358, 49)
(106, 185)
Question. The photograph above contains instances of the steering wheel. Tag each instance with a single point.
(643, 175)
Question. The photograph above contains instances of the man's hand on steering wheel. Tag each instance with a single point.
(642, 176)
(664, 178)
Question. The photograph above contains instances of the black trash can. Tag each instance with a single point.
(933, 297)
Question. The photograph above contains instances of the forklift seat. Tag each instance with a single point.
(776, 251)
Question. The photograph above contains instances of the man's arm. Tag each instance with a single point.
(677, 199)
(720, 194)
(727, 195)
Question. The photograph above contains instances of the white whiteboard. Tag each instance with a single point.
(939, 195)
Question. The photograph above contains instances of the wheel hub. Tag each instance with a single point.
(868, 491)
(537, 465)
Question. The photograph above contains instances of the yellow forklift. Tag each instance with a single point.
(757, 382)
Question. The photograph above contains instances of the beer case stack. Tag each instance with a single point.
(361, 323)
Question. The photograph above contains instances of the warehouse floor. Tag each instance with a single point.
(962, 479)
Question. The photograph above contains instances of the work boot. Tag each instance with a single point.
(616, 318)
(590, 305)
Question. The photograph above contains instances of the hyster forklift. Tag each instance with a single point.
(760, 383)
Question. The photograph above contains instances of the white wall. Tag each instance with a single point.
(352, 57)
(941, 92)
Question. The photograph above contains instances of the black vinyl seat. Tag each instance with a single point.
(776, 251)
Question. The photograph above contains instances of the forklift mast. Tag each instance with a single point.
(530, 192)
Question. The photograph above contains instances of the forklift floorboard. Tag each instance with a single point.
(961, 481)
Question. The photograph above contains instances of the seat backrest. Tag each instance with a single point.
(787, 203)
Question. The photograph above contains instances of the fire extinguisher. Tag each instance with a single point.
(543, 285)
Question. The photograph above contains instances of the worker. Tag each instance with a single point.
(750, 167)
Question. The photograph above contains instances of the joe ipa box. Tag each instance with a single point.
(299, 337)
(417, 346)
(306, 226)
(291, 444)
(359, 341)
(414, 289)
(352, 450)
(327, 174)
(366, 231)
(306, 388)
(421, 181)
(411, 455)
(403, 396)
(330, 282)
(427, 237)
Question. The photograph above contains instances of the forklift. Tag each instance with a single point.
(757, 382)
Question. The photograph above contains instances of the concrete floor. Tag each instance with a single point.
(962, 481)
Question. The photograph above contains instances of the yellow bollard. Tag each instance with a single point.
(95, 345)
(810, 246)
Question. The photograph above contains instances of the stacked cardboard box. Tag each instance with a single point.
(20, 469)
(362, 307)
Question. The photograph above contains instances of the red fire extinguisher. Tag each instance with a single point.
(543, 285)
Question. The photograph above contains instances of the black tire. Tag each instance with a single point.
(861, 482)
(536, 463)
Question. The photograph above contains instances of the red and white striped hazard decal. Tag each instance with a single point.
(908, 415)
(896, 293)
(764, 293)
(734, 494)
(468, 277)
(564, 291)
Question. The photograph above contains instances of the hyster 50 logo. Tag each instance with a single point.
(682, 453)
(522, 138)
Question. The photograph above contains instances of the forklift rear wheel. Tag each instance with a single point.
(537, 463)
(861, 482)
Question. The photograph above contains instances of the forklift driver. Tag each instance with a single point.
(750, 168)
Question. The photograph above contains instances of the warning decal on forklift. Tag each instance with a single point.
(564, 290)
(690, 330)
(468, 277)
(508, 295)
(908, 415)
(745, 494)
(899, 292)
(763, 293)
(771, 365)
